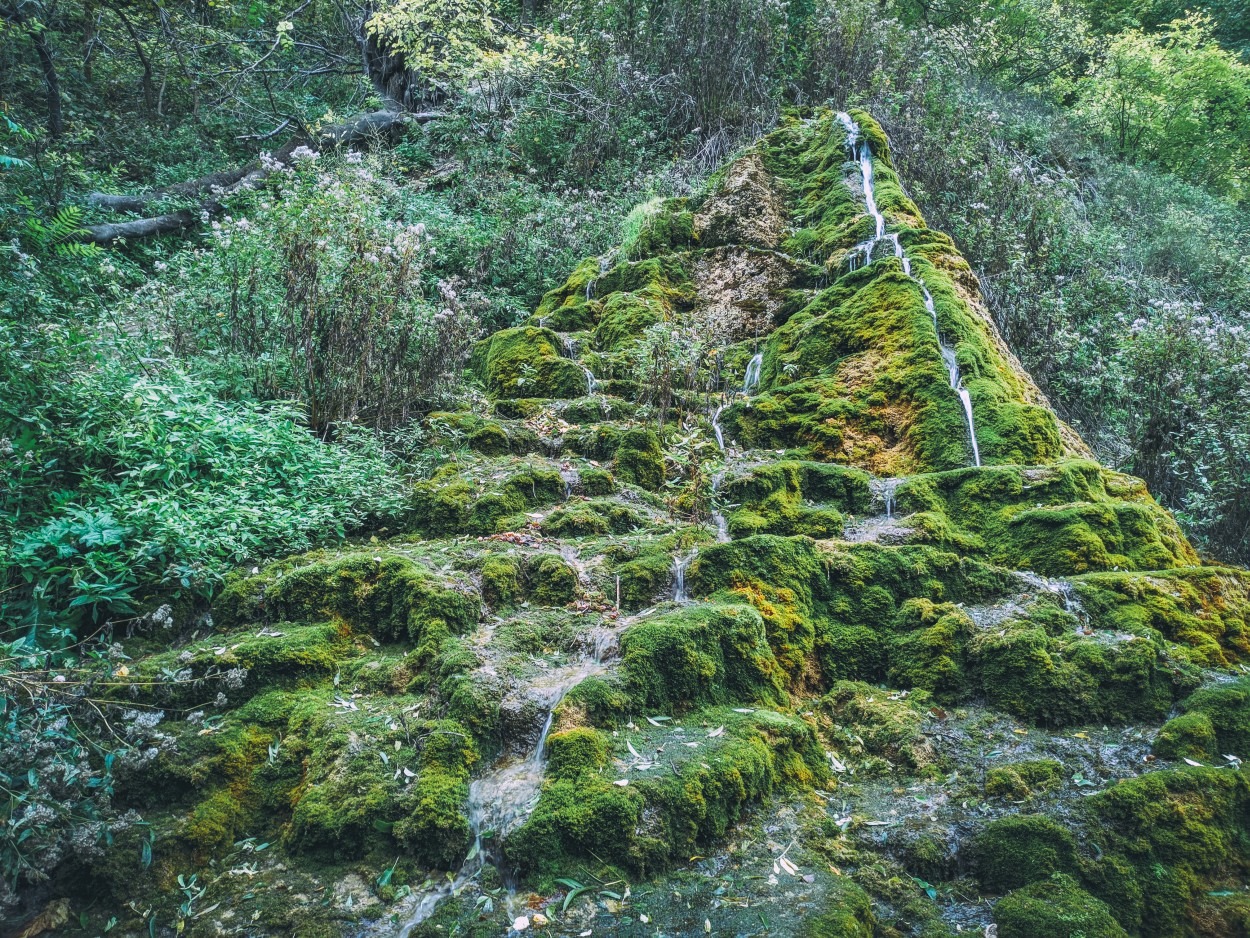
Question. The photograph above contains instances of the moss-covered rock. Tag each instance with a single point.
(1019, 780)
(1016, 851)
(1171, 837)
(848, 914)
(645, 822)
(1055, 908)
(384, 594)
(527, 362)
(707, 654)
(640, 460)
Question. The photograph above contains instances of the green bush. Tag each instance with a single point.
(129, 486)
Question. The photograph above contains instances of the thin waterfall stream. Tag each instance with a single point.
(750, 381)
(571, 351)
(503, 798)
(681, 563)
(861, 255)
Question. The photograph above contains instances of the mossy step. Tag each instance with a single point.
(599, 802)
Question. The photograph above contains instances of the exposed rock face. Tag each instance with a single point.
(880, 663)
(744, 209)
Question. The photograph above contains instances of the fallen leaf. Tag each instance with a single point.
(54, 915)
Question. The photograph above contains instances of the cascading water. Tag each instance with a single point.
(570, 352)
(952, 369)
(680, 564)
(750, 381)
(722, 524)
(504, 797)
(604, 266)
(1068, 600)
(716, 428)
(571, 479)
(888, 487)
(752, 377)
(864, 251)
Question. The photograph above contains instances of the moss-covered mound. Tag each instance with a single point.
(709, 623)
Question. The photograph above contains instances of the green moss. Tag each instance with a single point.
(703, 654)
(1064, 678)
(626, 317)
(639, 459)
(891, 728)
(435, 829)
(501, 581)
(592, 518)
(1181, 833)
(1212, 722)
(288, 656)
(1055, 908)
(526, 362)
(847, 914)
(656, 820)
(448, 504)
(434, 826)
(781, 498)
(927, 650)
(640, 579)
(1204, 609)
(1020, 780)
(1016, 851)
(567, 308)
(1069, 518)
(383, 594)
(550, 581)
(1188, 736)
(596, 482)
(598, 442)
(657, 227)
(576, 752)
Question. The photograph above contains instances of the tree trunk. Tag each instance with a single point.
(55, 122)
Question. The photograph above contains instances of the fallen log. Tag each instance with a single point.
(215, 188)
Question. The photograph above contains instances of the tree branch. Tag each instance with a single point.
(215, 188)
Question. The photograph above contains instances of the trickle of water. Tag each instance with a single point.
(864, 251)
(680, 565)
(952, 369)
(1068, 600)
(966, 399)
(504, 797)
(603, 644)
(720, 436)
(888, 488)
(718, 519)
(571, 480)
(752, 378)
(592, 383)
